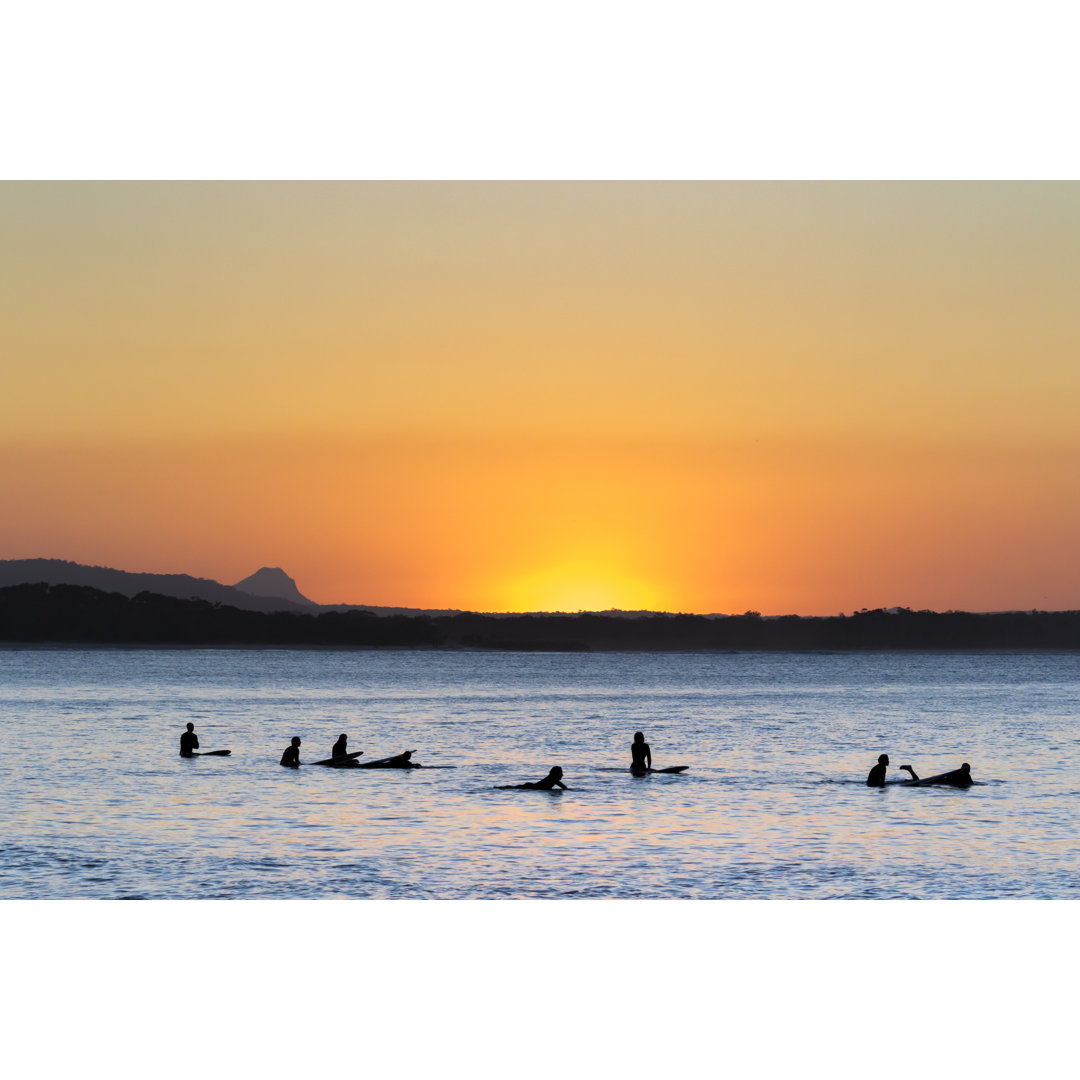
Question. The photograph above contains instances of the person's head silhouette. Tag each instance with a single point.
(296, 740)
(883, 759)
(191, 727)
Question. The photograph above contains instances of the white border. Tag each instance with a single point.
(482, 89)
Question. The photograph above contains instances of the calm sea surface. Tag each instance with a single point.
(96, 801)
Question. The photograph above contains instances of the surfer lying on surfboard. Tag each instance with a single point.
(552, 780)
(398, 761)
(957, 778)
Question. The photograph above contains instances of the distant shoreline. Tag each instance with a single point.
(73, 646)
(81, 616)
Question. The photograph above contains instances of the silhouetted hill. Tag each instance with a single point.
(273, 582)
(76, 614)
(38, 613)
(182, 586)
(268, 589)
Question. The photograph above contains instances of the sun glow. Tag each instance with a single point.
(706, 398)
(580, 586)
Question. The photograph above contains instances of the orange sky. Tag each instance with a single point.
(504, 396)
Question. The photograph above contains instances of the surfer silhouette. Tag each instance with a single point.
(877, 773)
(398, 761)
(640, 754)
(552, 780)
(340, 747)
(189, 742)
(291, 757)
(957, 778)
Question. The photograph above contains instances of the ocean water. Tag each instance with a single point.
(97, 803)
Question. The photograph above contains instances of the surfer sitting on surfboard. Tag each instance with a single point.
(189, 741)
(877, 773)
(640, 754)
(291, 757)
(552, 780)
(340, 748)
(957, 778)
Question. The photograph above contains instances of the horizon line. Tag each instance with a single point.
(895, 609)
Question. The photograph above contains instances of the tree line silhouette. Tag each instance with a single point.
(79, 615)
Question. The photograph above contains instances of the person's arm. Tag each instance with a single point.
(194, 741)
(561, 784)
(648, 756)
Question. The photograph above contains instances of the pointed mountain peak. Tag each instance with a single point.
(272, 581)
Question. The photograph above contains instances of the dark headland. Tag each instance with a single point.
(108, 607)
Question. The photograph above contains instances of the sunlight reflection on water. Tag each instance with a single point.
(98, 803)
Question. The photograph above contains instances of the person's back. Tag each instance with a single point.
(552, 779)
(876, 777)
(189, 742)
(960, 777)
(957, 778)
(640, 754)
(291, 757)
(398, 761)
(340, 747)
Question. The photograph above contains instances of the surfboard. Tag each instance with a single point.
(941, 780)
(521, 787)
(339, 761)
(208, 753)
(645, 772)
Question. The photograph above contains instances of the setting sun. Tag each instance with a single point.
(701, 397)
(580, 586)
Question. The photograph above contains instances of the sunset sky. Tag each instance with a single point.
(706, 397)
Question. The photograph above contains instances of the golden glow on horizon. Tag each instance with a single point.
(700, 397)
(490, 527)
(580, 585)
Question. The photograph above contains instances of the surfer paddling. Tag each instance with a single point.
(189, 742)
(291, 758)
(398, 761)
(552, 780)
(957, 778)
(877, 773)
(640, 755)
